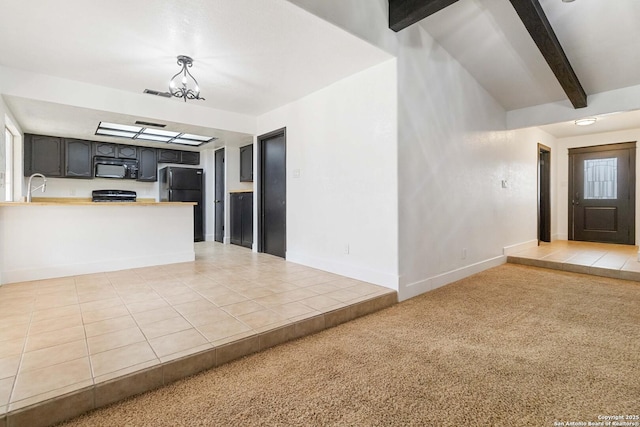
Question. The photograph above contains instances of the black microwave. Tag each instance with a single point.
(107, 167)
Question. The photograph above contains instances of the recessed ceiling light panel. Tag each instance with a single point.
(170, 134)
(119, 133)
(148, 134)
(117, 126)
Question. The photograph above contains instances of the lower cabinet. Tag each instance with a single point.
(241, 216)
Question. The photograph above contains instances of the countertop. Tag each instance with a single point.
(89, 203)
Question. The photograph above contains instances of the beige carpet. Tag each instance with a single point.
(512, 346)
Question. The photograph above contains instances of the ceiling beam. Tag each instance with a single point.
(539, 28)
(403, 13)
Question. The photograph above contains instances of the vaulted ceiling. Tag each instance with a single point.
(252, 56)
(599, 38)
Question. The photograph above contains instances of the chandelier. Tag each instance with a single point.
(181, 89)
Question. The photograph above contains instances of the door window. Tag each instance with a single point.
(601, 179)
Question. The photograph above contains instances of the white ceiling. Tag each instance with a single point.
(600, 39)
(252, 56)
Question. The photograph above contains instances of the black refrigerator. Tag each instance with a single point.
(185, 185)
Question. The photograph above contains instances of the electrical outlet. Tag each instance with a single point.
(346, 249)
(464, 253)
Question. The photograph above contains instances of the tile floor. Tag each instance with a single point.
(618, 261)
(65, 335)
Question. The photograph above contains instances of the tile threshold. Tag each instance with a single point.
(576, 268)
(67, 406)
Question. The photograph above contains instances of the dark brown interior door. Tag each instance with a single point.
(273, 194)
(602, 193)
(544, 193)
(218, 234)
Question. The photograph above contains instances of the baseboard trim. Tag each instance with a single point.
(366, 275)
(510, 250)
(416, 288)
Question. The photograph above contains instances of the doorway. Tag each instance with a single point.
(602, 193)
(272, 193)
(218, 234)
(544, 193)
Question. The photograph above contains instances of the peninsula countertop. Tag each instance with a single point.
(96, 203)
(79, 201)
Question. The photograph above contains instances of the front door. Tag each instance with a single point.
(218, 234)
(273, 194)
(602, 193)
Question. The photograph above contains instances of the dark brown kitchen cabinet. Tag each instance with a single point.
(127, 152)
(77, 158)
(120, 151)
(190, 157)
(147, 164)
(104, 149)
(246, 163)
(168, 156)
(43, 154)
(241, 217)
(179, 157)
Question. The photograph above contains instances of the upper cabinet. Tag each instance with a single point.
(43, 154)
(77, 158)
(73, 158)
(246, 163)
(190, 157)
(147, 164)
(127, 151)
(179, 157)
(120, 151)
(104, 149)
(168, 156)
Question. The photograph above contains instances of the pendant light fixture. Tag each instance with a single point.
(179, 87)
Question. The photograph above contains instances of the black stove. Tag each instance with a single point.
(113, 196)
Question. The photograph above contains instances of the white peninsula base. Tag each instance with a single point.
(47, 240)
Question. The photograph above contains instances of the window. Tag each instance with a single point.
(601, 178)
(8, 166)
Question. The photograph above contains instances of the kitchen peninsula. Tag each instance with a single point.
(42, 240)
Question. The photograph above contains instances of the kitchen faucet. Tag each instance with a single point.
(43, 185)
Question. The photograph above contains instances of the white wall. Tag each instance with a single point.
(82, 188)
(454, 150)
(46, 241)
(562, 166)
(342, 176)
